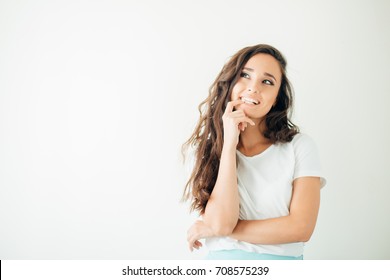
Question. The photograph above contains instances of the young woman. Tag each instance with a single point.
(256, 180)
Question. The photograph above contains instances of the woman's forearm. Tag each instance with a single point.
(298, 226)
(272, 231)
(222, 209)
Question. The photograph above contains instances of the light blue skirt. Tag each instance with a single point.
(244, 255)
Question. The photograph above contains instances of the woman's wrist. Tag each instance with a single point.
(229, 148)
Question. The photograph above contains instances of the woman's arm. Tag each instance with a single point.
(298, 226)
(222, 209)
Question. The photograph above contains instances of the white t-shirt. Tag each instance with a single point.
(265, 189)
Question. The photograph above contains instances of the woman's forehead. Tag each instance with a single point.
(262, 62)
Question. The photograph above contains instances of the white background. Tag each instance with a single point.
(96, 98)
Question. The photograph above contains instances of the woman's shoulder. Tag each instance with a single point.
(303, 141)
(302, 138)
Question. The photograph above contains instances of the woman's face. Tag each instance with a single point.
(258, 85)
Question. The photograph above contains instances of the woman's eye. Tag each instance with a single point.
(244, 75)
(268, 82)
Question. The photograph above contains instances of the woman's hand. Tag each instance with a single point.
(233, 123)
(198, 230)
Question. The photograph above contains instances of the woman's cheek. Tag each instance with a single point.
(235, 92)
(234, 95)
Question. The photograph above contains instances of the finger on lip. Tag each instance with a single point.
(237, 102)
(231, 104)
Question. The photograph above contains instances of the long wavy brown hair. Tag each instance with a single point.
(207, 138)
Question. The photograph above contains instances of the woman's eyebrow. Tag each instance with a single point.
(270, 75)
(249, 69)
(265, 73)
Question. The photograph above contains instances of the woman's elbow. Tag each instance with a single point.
(221, 226)
(304, 232)
(305, 237)
(223, 229)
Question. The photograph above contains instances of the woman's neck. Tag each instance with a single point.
(252, 139)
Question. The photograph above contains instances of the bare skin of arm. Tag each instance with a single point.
(298, 226)
(222, 209)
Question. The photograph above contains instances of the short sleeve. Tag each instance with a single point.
(307, 160)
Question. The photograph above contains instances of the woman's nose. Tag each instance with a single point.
(252, 90)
